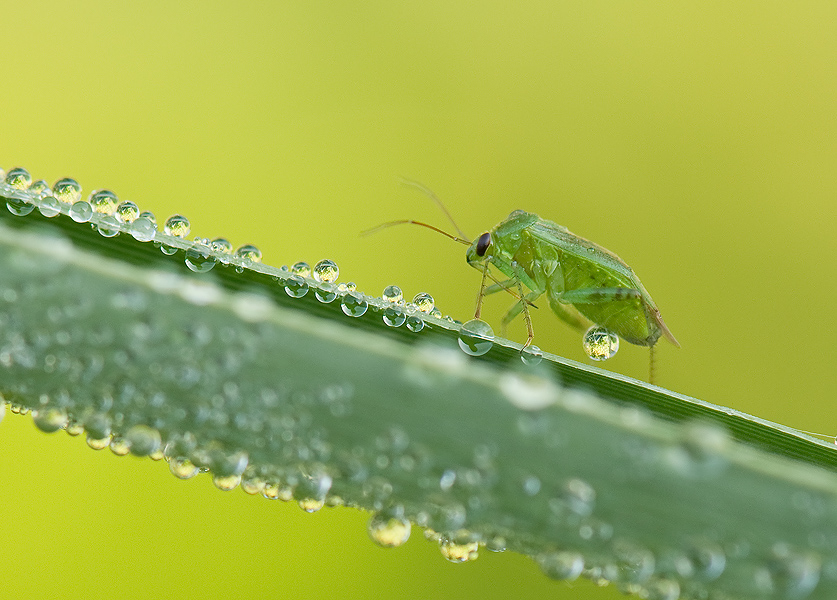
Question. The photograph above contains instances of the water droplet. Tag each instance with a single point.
(127, 212)
(389, 529)
(147, 214)
(249, 252)
(252, 484)
(325, 292)
(221, 245)
(393, 293)
(67, 190)
(226, 482)
(303, 269)
(531, 355)
(103, 201)
(199, 260)
(142, 440)
(177, 226)
(143, 229)
(599, 343)
(40, 188)
(97, 427)
(415, 323)
(458, 553)
(350, 286)
(295, 286)
(496, 543)
(80, 212)
(662, 589)
(424, 302)
(353, 304)
(49, 206)
(19, 178)
(531, 485)
(109, 226)
(564, 565)
(394, 316)
(707, 560)
(182, 468)
(635, 564)
(436, 313)
(18, 207)
(49, 420)
(326, 270)
(476, 337)
(119, 446)
(794, 575)
(98, 443)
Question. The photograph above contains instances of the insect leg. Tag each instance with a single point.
(515, 310)
(527, 316)
(482, 291)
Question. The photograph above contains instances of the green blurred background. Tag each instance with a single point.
(696, 140)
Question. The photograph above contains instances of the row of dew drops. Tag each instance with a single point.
(110, 217)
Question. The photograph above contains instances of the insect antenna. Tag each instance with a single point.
(412, 222)
(428, 192)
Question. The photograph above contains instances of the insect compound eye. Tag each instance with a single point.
(483, 243)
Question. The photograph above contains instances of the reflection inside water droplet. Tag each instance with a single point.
(600, 344)
(476, 337)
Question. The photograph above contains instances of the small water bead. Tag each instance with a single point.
(436, 313)
(108, 226)
(49, 420)
(424, 302)
(354, 305)
(389, 529)
(143, 440)
(600, 344)
(531, 355)
(295, 286)
(496, 544)
(326, 271)
(221, 245)
(127, 212)
(476, 337)
(147, 214)
(661, 589)
(49, 206)
(67, 190)
(200, 261)
(249, 252)
(563, 565)
(177, 226)
(394, 316)
(119, 446)
(98, 443)
(325, 293)
(81, 211)
(103, 201)
(350, 286)
(182, 468)
(303, 269)
(252, 485)
(393, 293)
(414, 323)
(226, 483)
(143, 229)
(459, 553)
(19, 178)
(40, 188)
(18, 207)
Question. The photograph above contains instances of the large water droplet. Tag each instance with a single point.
(200, 260)
(177, 226)
(18, 207)
(143, 229)
(393, 293)
(108, 226)
(221, 245)
(476, 337)
(49, 206)
(295, 286)
(249, 252)
(49, 420)
(303, 269)
(19, 178)
(182, 468)
(67, 190)
(353, 304)
(127, 212)
(394, 316)
(142, 440)
(531, 355)
(564, 565)
(325, 293)
(458, 553)
(40, 188)
(599, 343)
(415, 323)
(81, 211)
(103, 201)
(424, 302)
(389, 529)
(326, 270)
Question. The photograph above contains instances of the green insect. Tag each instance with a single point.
(583, 281)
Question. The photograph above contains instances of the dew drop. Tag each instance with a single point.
(18, 207)
(143, 229)
(108, 227)
(661, 589)
(49, 420)
(226, 482)
(424, 302)
(19, 178)
(303, 269)
(350, 286)
(326, 271)
(564, 565)
(98, 443)
(249, 252)
(311, 505)
(200, 261)
(295, 286)
(415, 323)
(80, 212)
(353, 304)
(182, 468)
(599, 343)
(67, 190)
(97, 427)
(389, 529)
(458, 553)
(252, 484)
(221, 245)
(531, 355)
(119, 446)
(103, 201)
(142, 440)
(635, 564)
(436, 313)
(393, 293)
(325, 293)
(147, 214)
(476, 337)
(127, 212)
(40, 188)
(394, 316)
(496, 543)
(177, 226)
(49, 206)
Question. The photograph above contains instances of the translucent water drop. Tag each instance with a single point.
(311, 505)
(389, 529)
(200, 261)
(459, 553)
(496, 544)
(182, 468)
(249, 252)
(19, 208)
(103, 201)
(350, 286)
(97, 426)
(635, 564)
(168, 250)
(143, 440)
(119, 446)
(476, 337)
(98, 443)
(127, 212)
(73, 427)
(108, 226)
(564, 566)
(394, 316)
(303, 269)
(599, 343)
(147, 214)
(19, 178)
(226, 482)
(295, 286)
(424, 302)
(40, 188)
(531, 355)
(354, 305)
(177, 226)
(80, 212)
(436, 313)
(49, 206)
(393, 293)
(415, 323)
(143, 229)
(67, 190)
(326, 271)
(221, 245)
(325, 293)
(49, 420)
(252, 484)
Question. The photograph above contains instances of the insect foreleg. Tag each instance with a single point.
(515, 310)
(597, 295)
